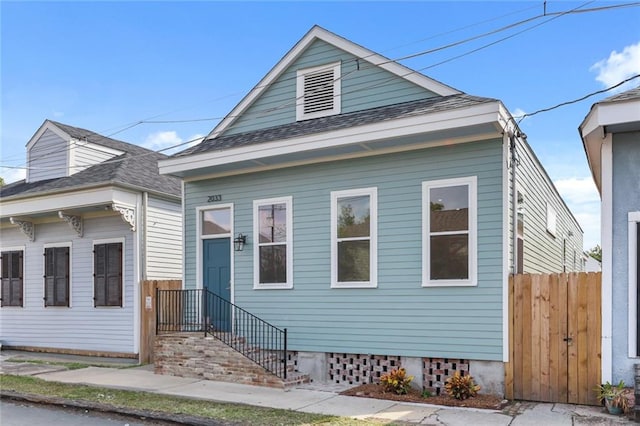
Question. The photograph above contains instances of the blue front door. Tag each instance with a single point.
(216, 276)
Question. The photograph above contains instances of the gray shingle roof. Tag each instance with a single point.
(624, 96)
(337, 122)
(138, 167)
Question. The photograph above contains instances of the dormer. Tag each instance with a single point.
(54, 153)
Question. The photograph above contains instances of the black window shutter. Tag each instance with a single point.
(108, 274)
(56, 276)
(99, 271)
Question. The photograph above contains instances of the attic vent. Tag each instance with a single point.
(318, 91)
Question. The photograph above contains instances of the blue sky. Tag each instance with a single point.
(105, 65)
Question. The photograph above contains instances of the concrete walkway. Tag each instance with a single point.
(313, 400)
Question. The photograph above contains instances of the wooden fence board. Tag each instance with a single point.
(545, 310)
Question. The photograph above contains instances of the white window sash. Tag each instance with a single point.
(288, 202)
(471, 232)
(372, 193)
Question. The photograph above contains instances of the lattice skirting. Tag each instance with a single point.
(358, 369)
(435, 371)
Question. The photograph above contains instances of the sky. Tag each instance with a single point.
(105, 66)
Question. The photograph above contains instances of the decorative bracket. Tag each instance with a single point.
(74, 221)
(27, 228)
(128, 214)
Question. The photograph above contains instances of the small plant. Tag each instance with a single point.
(396, 381)
(426, 393)
(461, 387)
(613, 396)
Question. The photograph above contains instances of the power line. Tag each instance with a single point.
(384, 82)
(582, 98)
(553, 15)
(573, 101)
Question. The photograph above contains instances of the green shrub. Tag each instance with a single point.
(461, 387)
(396, 381)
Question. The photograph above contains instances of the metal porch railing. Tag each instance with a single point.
(200, 310)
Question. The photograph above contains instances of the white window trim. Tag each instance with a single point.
(633, 223)
(200, 238)
(288, 201)
(124, 275)
(24, 269)
(337, 93)
(373, 238)
(44, 291)
(472, 183)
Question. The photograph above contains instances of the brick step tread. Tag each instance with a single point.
(296, 379)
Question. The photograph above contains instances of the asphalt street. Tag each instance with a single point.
(20, 414)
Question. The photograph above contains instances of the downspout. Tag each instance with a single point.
(514, 204)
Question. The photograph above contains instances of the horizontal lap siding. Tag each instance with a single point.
(398, 317)
(164, 239)
(85, 155)
(364, 86)
(626, 198)
(48, 157)
(81, 326)
(543, 252)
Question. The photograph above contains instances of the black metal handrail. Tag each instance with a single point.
(200, 310)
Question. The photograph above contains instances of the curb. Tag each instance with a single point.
(183, 419)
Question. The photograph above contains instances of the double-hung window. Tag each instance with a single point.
(12, 277)
(107, 274)
(449, 215)
(273, 243)
(354, 233)
(56, 276)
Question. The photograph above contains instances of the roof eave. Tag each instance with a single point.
(487, 113)
(86, 187)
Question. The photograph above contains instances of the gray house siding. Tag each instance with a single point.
(85, 154)
(47, 158)
(363, 86)
(398, 317)
(80, 326)
(164, 239)
(626, 198)
(544, 252)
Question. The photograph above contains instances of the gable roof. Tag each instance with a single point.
(319, 33)
(137, 167)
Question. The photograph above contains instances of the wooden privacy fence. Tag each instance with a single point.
(148, 314)
(554, 337)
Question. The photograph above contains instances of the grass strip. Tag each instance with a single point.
(146, 401)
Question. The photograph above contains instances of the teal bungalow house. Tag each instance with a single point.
(381, 213)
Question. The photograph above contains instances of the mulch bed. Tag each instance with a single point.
(377, 391)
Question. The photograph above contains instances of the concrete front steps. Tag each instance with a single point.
(196, 356)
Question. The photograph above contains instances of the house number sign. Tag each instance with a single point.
(214, 198)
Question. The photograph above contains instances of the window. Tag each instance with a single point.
(107, 274)
(449, 232)
(354, 238)
(216, 221)
(273, 236)
(318, 91)
(56, 276)
(12, 277)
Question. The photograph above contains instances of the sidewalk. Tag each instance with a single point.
(313, 400)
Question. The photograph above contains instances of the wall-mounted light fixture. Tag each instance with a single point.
(239, 242)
